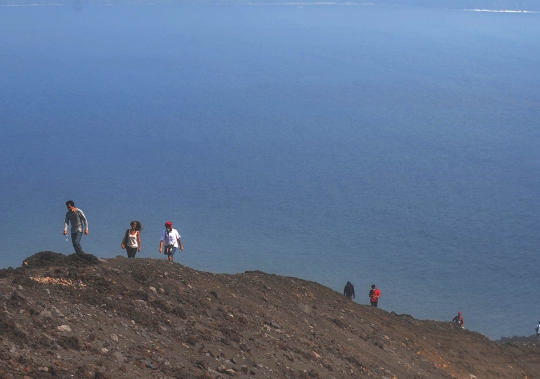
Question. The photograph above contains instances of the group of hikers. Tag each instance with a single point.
(169, 243)
(374, 294)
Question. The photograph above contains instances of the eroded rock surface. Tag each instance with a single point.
(80, 317)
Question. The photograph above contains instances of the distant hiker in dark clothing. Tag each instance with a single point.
(459, 321)
(78, 224)
(537, 329)
(132, 239)
(349, 291)
(374, 295)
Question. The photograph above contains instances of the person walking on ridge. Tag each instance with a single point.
(459, 321)
(170, 239)
(132, 239)
(349, 291)
(537, 329)
(78, 224)
(374, 295)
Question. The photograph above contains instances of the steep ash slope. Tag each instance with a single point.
(80, 317)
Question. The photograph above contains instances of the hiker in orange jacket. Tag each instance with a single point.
(374, 295)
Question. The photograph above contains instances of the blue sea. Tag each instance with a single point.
(388, 146)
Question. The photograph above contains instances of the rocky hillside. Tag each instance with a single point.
(83, 317)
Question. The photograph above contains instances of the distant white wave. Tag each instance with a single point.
(31, 5)
(47, 5)
(499, 11)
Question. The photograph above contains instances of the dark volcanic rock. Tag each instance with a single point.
(50, 258)
(45, 259)
(77, 316)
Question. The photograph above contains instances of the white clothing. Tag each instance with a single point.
(132, 240)
(170, 238)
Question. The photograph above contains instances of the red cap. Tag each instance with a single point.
(168, 224)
